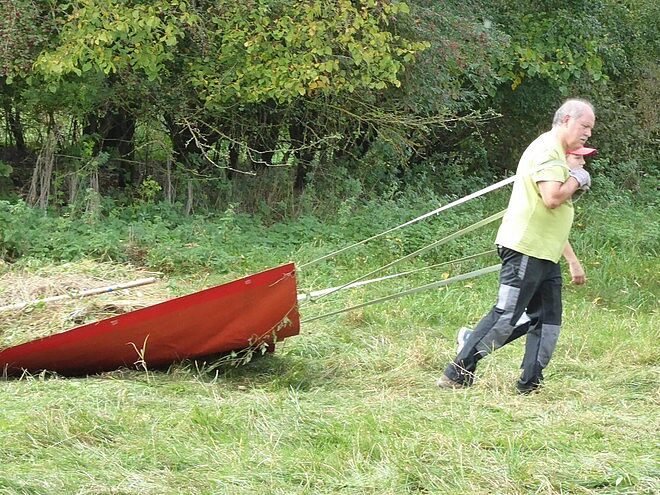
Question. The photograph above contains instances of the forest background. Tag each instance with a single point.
(277, 107)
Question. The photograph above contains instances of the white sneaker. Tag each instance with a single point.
(462, 337)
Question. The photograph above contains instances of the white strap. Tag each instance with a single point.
(460, 201)
(434, 285)
(311, 296)
(423, 250)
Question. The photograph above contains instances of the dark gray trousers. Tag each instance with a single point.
(529, 303)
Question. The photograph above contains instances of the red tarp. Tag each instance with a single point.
(228, 317)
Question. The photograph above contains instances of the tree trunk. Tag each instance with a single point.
(116, 130)
(94, 201)
(73, 187)
(189, 200)
(169, 189)
(43, 171)
(303, 153)
(13, 117)
(234, 153)
(262, 144)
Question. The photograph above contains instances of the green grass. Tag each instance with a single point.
(349, 406)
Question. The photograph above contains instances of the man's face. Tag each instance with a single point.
(578, 129)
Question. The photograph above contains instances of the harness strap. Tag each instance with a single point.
(313, 296)
(433, 285)
(423, 250)
(459, 201)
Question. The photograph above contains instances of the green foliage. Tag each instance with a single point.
(548, 45)
(331, 186)
(148, 190)
(155, 235)
(633, 226)
(456, 173)
(160, 237)
(612, 179)
(114, 36)
(229, 51)
(605, 51)
(282, 50)
(24, 30)
(393, 97)
(460, 68)
(5, 169)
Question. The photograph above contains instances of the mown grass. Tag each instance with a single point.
(349, 406)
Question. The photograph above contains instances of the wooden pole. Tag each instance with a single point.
(78, 295)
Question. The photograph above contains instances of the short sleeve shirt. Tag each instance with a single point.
(529, 226)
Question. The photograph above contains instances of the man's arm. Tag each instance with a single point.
(556, 193)
(578, 276)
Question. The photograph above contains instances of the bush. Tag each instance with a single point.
(157, 236)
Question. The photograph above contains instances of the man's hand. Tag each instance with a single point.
(577, 272)
(582, 177)
(578, 277)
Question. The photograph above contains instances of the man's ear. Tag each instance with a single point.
(565, 119)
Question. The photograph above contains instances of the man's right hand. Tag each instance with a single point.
(582, 177)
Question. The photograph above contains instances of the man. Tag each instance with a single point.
(532, 238)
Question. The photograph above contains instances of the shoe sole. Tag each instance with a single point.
(448, 384)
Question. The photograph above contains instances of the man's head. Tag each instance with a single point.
(573, 123)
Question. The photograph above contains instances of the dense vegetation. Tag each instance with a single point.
(279, 105)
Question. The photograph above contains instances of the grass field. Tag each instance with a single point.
(349, 406)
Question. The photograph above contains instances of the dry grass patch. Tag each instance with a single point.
(29, 283)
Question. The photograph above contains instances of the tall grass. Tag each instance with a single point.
(349, 406)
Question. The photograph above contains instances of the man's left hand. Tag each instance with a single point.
(578, 277)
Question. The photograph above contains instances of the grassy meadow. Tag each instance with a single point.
(349, 406)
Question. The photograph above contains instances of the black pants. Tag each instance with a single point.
(529, 302)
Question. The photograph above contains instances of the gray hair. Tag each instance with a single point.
(574, 107)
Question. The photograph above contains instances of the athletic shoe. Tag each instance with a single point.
(445, 382)
(463, 336)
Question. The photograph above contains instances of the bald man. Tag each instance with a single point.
(532, 238)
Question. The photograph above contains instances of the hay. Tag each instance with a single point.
(27, 283)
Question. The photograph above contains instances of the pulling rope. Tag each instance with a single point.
(433, 285)
(360, 281)
(312, 296)
(444, 240)
(460, 201)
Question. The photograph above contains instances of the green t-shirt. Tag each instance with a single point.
(529, 226)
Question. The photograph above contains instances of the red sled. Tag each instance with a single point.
(254, 311)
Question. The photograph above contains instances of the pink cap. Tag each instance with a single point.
(583, 151)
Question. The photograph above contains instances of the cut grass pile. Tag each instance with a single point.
(27, 284)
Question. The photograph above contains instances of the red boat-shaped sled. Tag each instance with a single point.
(256, 310)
